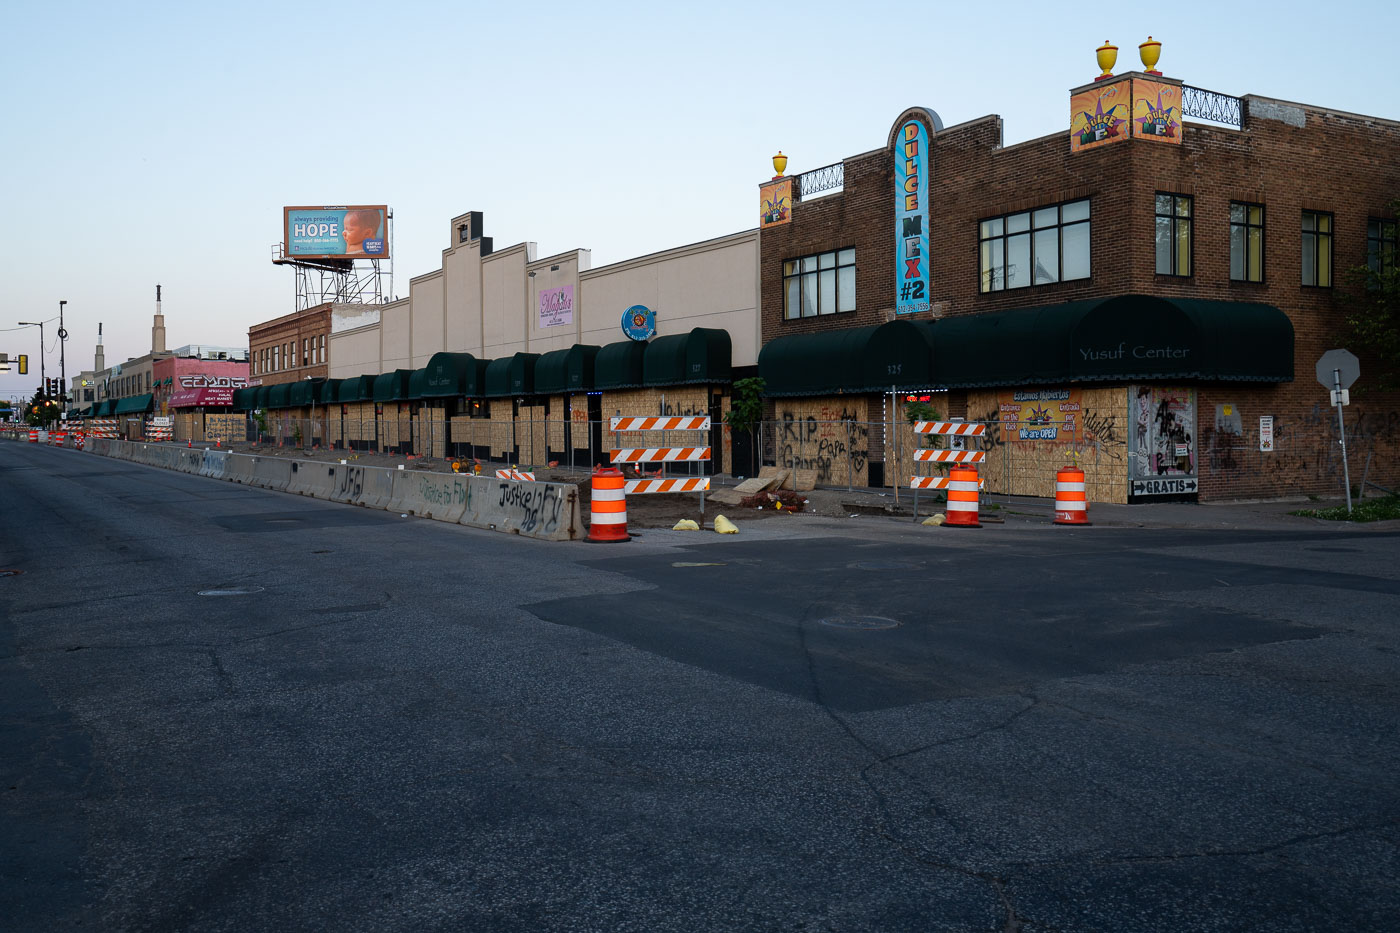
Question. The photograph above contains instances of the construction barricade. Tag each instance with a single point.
(607, 506)
(1071, 507)
(662, 455)
(961, 484)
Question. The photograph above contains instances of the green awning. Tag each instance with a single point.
(897, 354)
(619, 365)
(260, 400)
(511, 376)
(449, 375)
(279, 396)
(327, 392)
(304, 392)
(417, 383)
(393, 387)
(562, 371)
(134, 405)
(703, 355)
(243, 399)
(356, 389)
(103, 408)
(1123, 339)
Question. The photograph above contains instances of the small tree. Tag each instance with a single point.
(746, 411)
(1372, 312)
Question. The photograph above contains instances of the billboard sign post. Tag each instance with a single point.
(345, 232)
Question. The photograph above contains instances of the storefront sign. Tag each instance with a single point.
(1157, 111)
(556, 306)
(911, 164)
(1040, 415)
(639, 322)
(775, 203)
(1184, 486)
(1098, 115)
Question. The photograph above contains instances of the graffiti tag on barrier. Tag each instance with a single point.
(538, 504)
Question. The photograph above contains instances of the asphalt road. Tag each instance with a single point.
(223, 708)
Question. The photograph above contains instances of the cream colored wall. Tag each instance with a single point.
(425, 315)
(461, 274)
(396, 335)
(711, 284)
(354, 353)
(544, 339)
(503, 300)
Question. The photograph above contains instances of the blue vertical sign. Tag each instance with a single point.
(911, 264)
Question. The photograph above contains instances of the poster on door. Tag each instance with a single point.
(1164, 442)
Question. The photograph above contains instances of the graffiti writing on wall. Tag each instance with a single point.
(1164, 436)
(532, 506)
(830, 441)
(446, 492)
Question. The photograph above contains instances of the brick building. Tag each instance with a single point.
(289, 348)
(1143, 296)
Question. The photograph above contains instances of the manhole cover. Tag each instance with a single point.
(864, 623)
(232, 591)
(883, 565)
(10, 573)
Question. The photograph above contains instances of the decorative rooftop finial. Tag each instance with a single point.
(779, 164)
(1150, 51)
(1107, 54)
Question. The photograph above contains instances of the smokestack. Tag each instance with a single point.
(158, 328)
(98, 361)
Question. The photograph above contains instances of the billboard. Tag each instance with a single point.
(353, 232)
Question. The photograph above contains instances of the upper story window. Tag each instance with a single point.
(1039, 247)
(820, 284)
(1173, 234)
(1317, 249)
(1380, 245)
(1246, 242)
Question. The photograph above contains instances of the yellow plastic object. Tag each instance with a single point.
(724, 526)
(686, 524)
(1149, 52)
(1107, 55)
(936, 519)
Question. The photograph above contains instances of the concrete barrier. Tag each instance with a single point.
(190, 460)
(215, 462)
(238, 468)
(376, 488)
(536, 510)
(271, 473)
(439, 496)
(320, 478)
(349, 483)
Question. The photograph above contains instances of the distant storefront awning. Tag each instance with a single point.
(134, 405)
(898, 354)
(703, 355)
(201, 398)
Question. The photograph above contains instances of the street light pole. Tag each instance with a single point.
(62, 366)
(43, 383)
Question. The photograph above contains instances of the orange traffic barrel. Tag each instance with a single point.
(607, 506)
(962, 497)
(1071, 508)
(33, 437)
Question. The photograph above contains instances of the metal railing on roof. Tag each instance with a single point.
(1211, 105)
(826, 178)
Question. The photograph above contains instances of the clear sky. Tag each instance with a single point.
(158, 142)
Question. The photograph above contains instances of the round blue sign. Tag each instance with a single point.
(639, 322)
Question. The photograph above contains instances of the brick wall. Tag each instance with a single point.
(1338, 163)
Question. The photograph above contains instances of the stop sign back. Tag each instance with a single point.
(1344, 362)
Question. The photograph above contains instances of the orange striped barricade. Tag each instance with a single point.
(33, 437)
(958, 511)
(1071, 507)
(607, 506)
(663, 455)
(519, 475)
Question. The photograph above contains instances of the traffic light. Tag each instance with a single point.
(24, 364)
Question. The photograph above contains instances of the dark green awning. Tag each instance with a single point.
(703, 355)
(243, 398)
(511, 376)
(417, 383)
(1123, 339)
(394, 386)
(897, 354)
(356, 389)
(452, 374)
(279, 396)
(134, 405)
(328, 391)
(619, 365)
(260, 399)
(103, 409)
(561, 371)
(304, 392)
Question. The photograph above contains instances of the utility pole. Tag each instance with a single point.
(62, 366)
